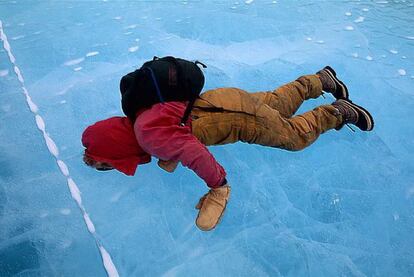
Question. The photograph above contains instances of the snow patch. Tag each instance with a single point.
(349, 28)
(248, 1)
(17, 37)
(133, 49)
(348, 14)
(91, 54)
(131, 26)
(359, 19)
(355, 55)
(73, 62)
(4, 72)
(396, 216)
(65, 211)
(369, 58)
(402, 72)
(393, 51)
(77, 68)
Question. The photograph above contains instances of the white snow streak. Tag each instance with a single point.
(109, 266)
(73, 62)
(53, 149)
(63, 167)
(90, 54)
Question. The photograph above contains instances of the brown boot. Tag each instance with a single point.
(353, 114)
(212, 206)
(331, 83)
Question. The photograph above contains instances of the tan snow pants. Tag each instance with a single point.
(228, 115)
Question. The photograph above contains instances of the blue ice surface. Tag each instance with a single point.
(342, 207)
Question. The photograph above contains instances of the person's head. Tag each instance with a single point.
(101, 166)
(111, 144)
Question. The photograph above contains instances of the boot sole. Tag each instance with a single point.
(344, 89)
(368, 125)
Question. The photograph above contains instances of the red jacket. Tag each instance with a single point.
(158, 132)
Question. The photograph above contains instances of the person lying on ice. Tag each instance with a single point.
(221, 116)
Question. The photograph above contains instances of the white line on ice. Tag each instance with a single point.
(53, 149)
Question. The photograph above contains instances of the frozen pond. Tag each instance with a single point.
(342, 207)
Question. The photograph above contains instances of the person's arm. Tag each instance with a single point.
(171, 142)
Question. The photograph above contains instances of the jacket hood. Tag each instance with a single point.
(113, 141)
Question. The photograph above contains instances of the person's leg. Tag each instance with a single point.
(288, 98)
(267, 128)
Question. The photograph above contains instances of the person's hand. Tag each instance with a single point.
(168, 166)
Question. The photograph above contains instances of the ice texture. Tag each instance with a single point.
(342, 207)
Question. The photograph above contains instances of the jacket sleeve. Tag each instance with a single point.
(168, 141)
